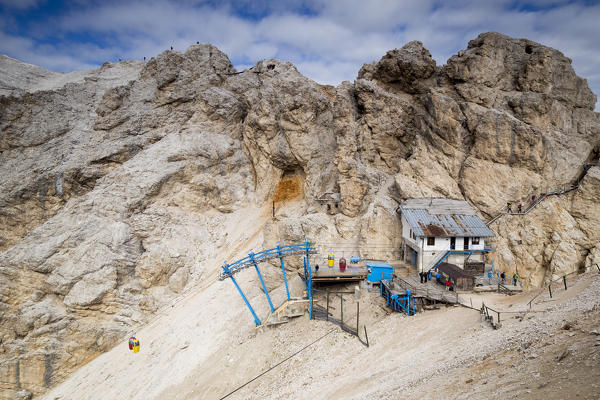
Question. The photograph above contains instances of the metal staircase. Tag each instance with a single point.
(567, 189)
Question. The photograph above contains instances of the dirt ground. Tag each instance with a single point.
(207, 347)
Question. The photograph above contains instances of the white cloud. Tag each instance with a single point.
(327, 40)
(20, 4)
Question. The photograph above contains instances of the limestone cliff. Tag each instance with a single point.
(123, 186)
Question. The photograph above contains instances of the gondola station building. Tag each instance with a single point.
(436, 230)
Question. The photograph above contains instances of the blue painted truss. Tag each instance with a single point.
(253, 259)
(398, 302)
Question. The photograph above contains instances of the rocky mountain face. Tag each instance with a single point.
(124, 186)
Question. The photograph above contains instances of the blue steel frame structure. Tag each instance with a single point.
(253, 259)
(399, 303)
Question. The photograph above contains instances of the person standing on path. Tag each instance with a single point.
(509, 207)
(503, 276)
(515, 278)
(421, 276)
(519, 208)
(447, 285)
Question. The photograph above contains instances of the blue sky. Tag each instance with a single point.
(328, 40)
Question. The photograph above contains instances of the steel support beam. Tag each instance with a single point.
(256, 320)
(262, 282)
(287, 290)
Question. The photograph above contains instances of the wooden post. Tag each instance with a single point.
(565, 281)
(498, 316)
(273, 209)
(550, 290)
(366, 336)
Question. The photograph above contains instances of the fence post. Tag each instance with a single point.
(550, 290)
(327, 317)
(357, 314)
(565, 281)
(498, 316)
(366, 336)
(342, 310)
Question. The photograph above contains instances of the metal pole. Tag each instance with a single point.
(287, 290)
(327, 318)
(565, 281)
(366, 336)
(256, 320)
(309, 288)
(357, 316)
(251, 254)
(342, 310)
(498, 317)
(550, 290)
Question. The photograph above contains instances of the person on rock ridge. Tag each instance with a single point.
(519, 207)
(503, 276)
(509, 207)
(515, 278)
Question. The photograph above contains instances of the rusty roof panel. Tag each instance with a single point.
(425, 224)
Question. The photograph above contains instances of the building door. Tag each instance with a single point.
(466, 247)
(452, 243)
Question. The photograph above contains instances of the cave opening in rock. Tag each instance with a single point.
(290, 186)
(528, 49)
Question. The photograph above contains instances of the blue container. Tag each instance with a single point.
(354, 260)
(378, 271)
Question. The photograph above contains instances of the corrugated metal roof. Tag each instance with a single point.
(424, 224)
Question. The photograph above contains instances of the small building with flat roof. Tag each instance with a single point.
(461, 279)
(439, 229)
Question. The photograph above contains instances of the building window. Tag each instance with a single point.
(475, 240)
(430, 241)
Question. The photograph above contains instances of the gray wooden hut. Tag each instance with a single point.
(461, 279)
